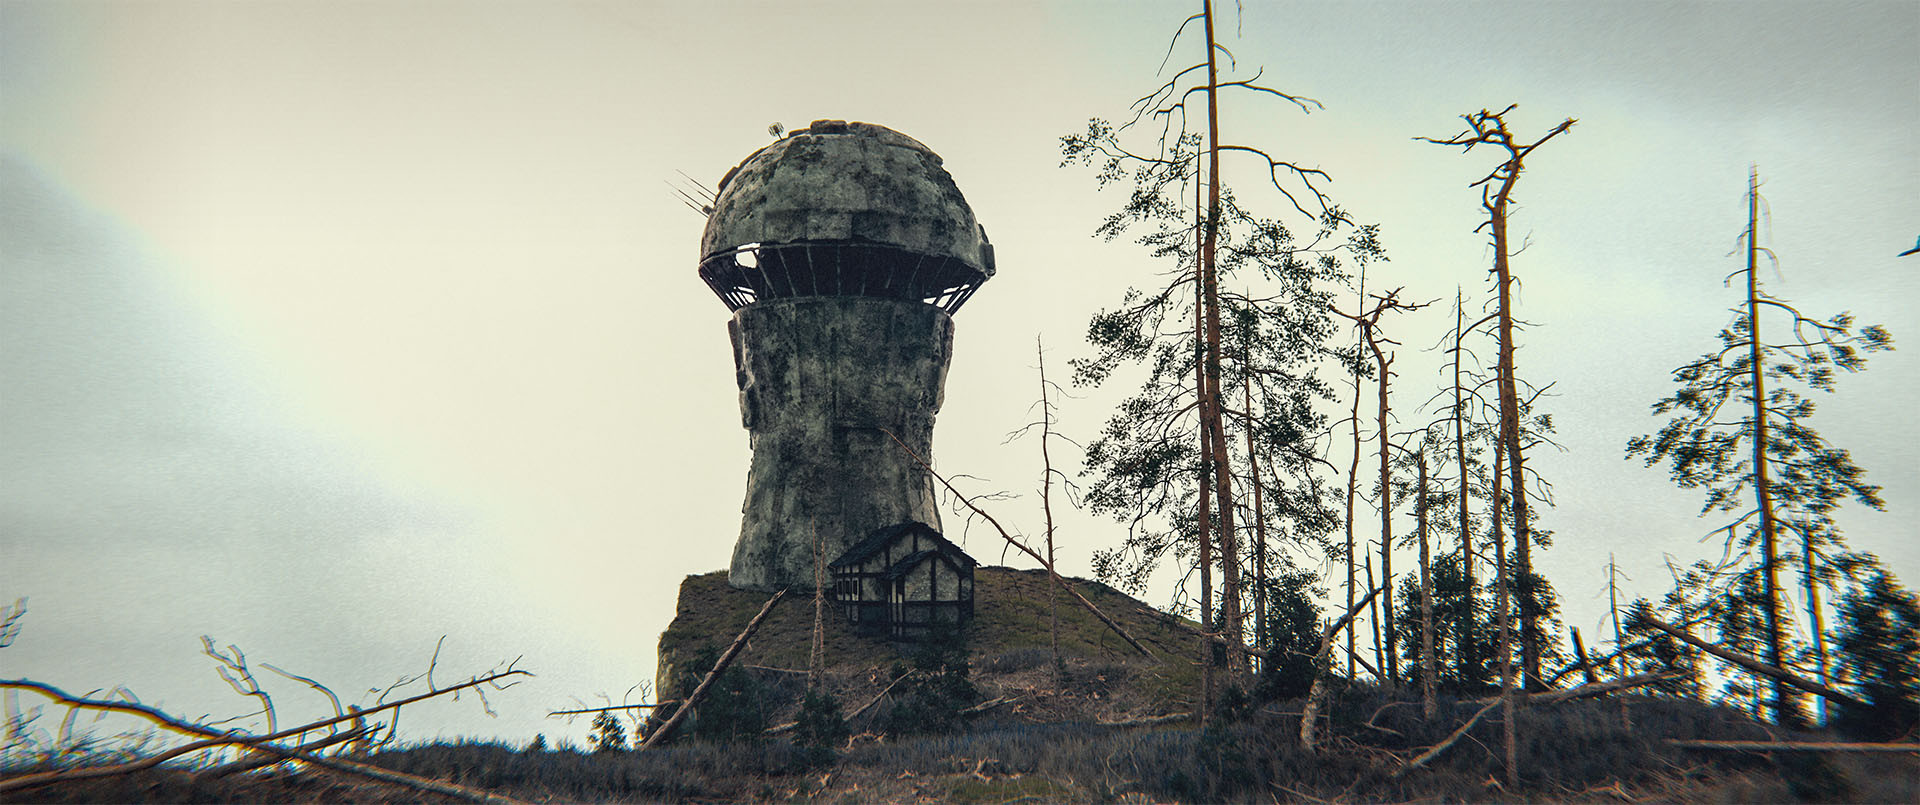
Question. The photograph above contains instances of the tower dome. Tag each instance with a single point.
(843, 209)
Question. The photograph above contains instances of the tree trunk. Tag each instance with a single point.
(1211, 408)
(1510, 422)
(1817, 625)
(1774, 672)
(1386, 523)
(1046, 508)
(1469, 647)
(1428, 670)
(1310, 714)
(1502, 604)
(1373, 614)
(1353, 468)
(1205, 516)
(1785, 710)
(665, 731)
(816, 653)
(1580, 652)
(1259, 519)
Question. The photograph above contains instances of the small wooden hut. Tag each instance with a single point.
(904, 579)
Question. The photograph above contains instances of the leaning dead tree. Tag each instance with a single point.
(1763, 669)
(1489, 128)
(686, 707)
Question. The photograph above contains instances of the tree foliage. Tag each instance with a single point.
(1879, 653)
(1267, 286)
(1293, 636)
(608, 733)
(1739, 429)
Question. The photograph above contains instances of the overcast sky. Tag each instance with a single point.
(328, 329)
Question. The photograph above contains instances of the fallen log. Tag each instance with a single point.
(1793, 746)
(1538, 698)
(1146, 722)
(790, 726)
(1757, 666)
(261, 743)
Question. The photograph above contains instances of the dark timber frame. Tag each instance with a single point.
(903, 580)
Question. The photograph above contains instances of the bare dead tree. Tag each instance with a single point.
(617, 708)
(1496, 195)
(233, 669)
(1353, 465)
(12, 617)
(1046, 508)
(1384, 362)
(1367, 325)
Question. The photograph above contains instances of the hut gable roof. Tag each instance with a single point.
(907, 565)
(881, 538)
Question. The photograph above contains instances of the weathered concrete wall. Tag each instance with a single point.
(820, 378)
(840, 181)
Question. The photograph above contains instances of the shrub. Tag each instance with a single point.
(820, 728)
(608, 734)
(931, 702)
(735, 709)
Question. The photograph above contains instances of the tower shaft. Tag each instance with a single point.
(826, 386)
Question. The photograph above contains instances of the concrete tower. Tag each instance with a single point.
(843, 250)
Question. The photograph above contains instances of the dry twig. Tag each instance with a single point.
(260, 743)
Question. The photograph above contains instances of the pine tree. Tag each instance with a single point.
(1165, 463)
(1740, 431)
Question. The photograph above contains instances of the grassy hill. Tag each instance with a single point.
(1008, 639)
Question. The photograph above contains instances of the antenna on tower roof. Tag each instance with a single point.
(696, 196)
